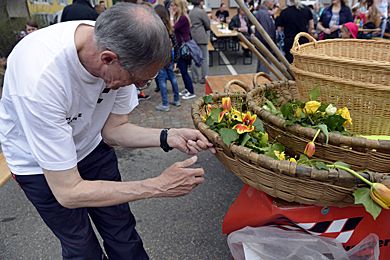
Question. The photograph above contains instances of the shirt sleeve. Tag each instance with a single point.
(126, 100)
(43, 119)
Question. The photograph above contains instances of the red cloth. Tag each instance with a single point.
(347, 225)
(353, 29)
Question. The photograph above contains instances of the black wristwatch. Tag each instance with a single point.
(163, 140)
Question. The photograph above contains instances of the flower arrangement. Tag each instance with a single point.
(237, 125)
(325, 117)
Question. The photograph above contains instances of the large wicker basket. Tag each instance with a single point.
(369, 106)
(359, 152)
(366, 61)
(281, 179)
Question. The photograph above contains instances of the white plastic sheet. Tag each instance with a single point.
(273, 243)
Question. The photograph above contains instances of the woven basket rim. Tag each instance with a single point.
(296, 50)
(284, 166)
(364, 85)
(298, 129)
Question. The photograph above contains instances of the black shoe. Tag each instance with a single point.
(157, 89)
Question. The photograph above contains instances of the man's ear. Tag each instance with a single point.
(108, 57)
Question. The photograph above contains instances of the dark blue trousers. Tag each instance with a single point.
(115, 224)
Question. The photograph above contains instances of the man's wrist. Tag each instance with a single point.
(164, 140)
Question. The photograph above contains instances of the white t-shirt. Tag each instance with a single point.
(53, 110)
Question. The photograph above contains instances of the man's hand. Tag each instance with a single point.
(178, 179)
(189, 141)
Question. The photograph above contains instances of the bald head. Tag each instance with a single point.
(135, 33)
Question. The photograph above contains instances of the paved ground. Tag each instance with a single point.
(179, 228)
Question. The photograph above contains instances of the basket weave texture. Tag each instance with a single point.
(281, 179)
(352, 73)
(365, 61)
(360, 153)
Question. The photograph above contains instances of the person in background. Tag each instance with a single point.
(374, 16)
(264, 16)
(222, 13)
(167, 72)
(359, 18)
(332, 18)
(65, 108)
(200, 27)
(79, 10)
(31, 26)
(240, 22)
(294, 19)
(182, 32)
(349, 30)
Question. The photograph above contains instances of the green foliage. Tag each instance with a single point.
(228, 135)
(208, 99)
(314, 93)
(362, 196)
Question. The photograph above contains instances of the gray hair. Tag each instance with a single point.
(136, 34)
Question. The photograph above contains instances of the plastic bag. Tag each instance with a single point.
(274, 243)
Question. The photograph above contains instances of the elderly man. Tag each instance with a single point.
(67, 94)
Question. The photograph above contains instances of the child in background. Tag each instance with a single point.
(349, 30)
(359, 18)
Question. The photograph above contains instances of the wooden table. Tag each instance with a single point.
(220, 33)
(217, 83)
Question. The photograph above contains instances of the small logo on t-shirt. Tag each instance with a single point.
(105, 91)
(71, 119)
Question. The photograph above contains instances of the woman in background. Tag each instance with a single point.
(167, 72)
(332, 18)
(182, 33)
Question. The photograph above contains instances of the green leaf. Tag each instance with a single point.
(214, 114)
(209, 121)
(288, 111)
(245, 139)
(208, 99)
(343, 164)
(258, 124)
(335, 123)
(324, 130)
(321, 165)
(362, 196)
(228, 135)
(314, 94)
(263, 140)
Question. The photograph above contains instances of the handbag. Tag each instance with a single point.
(185, 52)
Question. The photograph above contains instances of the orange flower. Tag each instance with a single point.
(380, 194)
(226, 106)
(226, 103)
(310, 149)
(247, 123)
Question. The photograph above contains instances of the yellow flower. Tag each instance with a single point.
(344, 113)
(280, 155)
(311, 107)
(298, 112)
(293, 160)
(247, 123)
(226, 103)
(235, 114)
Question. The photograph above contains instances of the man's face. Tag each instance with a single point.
(116, 76)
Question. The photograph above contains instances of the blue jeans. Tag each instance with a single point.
(183, 67)
(161, 79)
(116, 224)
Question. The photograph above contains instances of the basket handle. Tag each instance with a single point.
(241, 84)
(259, 75)
(296, 45)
